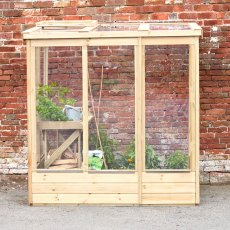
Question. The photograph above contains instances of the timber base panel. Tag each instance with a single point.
(113, 189)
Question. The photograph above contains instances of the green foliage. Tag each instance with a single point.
(127, 160)
(48, 110)
(108, 146)
(151, 160)
(177, 160)
(50, 101)
(95, 163)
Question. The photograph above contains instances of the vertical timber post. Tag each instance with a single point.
(85, 76)
(138, 114)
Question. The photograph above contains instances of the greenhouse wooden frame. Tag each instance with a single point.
(138, 187)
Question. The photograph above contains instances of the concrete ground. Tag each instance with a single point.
(212, 213)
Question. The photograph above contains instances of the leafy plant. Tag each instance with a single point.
(50, 101)
(127, 160)
(95, 163)
(177, 160)
(151, 160)
(109, 145)
(48, 110)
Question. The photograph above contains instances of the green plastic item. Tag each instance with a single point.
(95, 163)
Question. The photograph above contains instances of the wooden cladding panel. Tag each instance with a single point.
(90, 188)
(84, 177)
(168, 199)
(163, 188)
(168, 177)
(85, 198)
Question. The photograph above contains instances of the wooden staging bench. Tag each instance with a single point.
(121, 187)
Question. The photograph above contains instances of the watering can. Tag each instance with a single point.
(73, 113)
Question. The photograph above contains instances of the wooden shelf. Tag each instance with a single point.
(47, 125)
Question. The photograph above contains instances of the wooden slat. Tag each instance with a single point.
(168, 40)
(85, 198)
(85, 88)
(83, 177)
(75, 188)
(162, 188)
(58, 42)
(192, 112)
(197, 115)
(142, 110)
(66, 23)
(168, 199)
(30, 158)
(65, 161)
(138, 150)
(38, 82)
(62, 167)
(33, 113)
(168, 177)
(112, 41)
(45, 125)
(57, 153)
(45, 34)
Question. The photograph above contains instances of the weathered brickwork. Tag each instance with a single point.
(212, 15)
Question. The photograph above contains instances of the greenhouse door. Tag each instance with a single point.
(169, 121)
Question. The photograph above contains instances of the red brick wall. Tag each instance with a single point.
(212, 15)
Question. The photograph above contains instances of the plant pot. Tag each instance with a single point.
(73, 113)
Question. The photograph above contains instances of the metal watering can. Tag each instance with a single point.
(73, 113)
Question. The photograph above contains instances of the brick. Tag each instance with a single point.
(32, 12)
(162, 16)
(126, 9)
(23, 5)
(105, 10)
(63, 3)
(115, 2)
(135, 2)
(86, 11)
(98, 2)
(207, 7)
(188, 15)
(42, 4)
(69, 11)
(155, 2)
(121, 17)
(4, 78)
(206, 15)
(51, 12)
(137, 17)
(12, 13)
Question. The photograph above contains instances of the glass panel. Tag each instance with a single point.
(169, 27)
(59, 108)
(117, 27)
(167, 107)
(112, 105)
